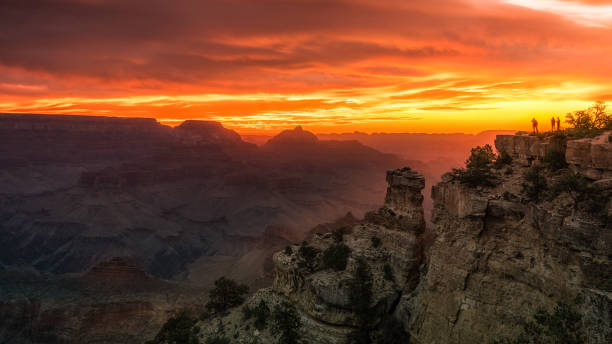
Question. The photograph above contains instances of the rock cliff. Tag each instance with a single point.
(498, 257)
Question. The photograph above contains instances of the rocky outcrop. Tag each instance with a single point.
(591, 156)
(390, 244)
(323, 294)
(525, 148)
(403, 207)
(499, 257)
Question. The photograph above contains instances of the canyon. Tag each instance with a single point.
(108, 226)
(498, 256)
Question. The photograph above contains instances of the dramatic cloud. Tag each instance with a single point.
(332, 65)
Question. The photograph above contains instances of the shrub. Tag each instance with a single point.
(178, 329)
(375, 241)
(360, 296)
(288, 251)
(562, 326)
(578, 188)
(261, 313)
(392, 332)
(508, 171)
(286, 323)
(247, 312)
(535, 183)
(503, 158)
(388, 272)
(554, 159)
(477, 171)
(338, 234)
(216, 340)
(226, 294)
(336, 256)
(308, 255)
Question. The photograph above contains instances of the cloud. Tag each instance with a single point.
(364, 58)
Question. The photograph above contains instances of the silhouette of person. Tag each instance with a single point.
(552, 124)
(534, 124)
(558, 124)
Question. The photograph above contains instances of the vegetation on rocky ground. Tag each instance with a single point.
(388, 272)
(286, 324)
(562, 326)
(503, 159)
(554, 159)
(584, 196)
(308, 256)
(179, 329)
(375, 241)
(360, 295)
(477, 171)
(392, 332)
(535, 183)
(338, 234)
(226, 294)
(336, 256)
(261, 313)
(216, 340)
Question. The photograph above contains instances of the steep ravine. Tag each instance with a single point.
(497, 257)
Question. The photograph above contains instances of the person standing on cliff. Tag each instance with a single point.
(534, 124)
(558, 124)
(552, 124)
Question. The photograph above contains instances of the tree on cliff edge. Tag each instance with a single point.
(226, 294)
(477, 171)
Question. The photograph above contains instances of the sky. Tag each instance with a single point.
(260, 66)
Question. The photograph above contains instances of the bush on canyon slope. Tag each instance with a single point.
(392, 332)
(226, 294)
(178, 329)
(584, 196)
(286, 323)
(261, 313)
(554, 159)
(503, 159)
(360, 295)
(308, 256)
(535, 183)
(563, 326)
(477, 171)
(336, 256)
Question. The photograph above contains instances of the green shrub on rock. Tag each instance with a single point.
(226, 294)
(308, 257)
(286, 323)
(477, 171)
(535, 183)
(178, 329)
(562, 326)
(375, 241)
(360, 296)
(336, 256)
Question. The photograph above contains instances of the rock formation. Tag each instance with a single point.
(497, 257)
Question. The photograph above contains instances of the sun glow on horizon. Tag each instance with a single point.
(337, 66)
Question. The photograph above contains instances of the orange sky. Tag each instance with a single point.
(260, 66)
